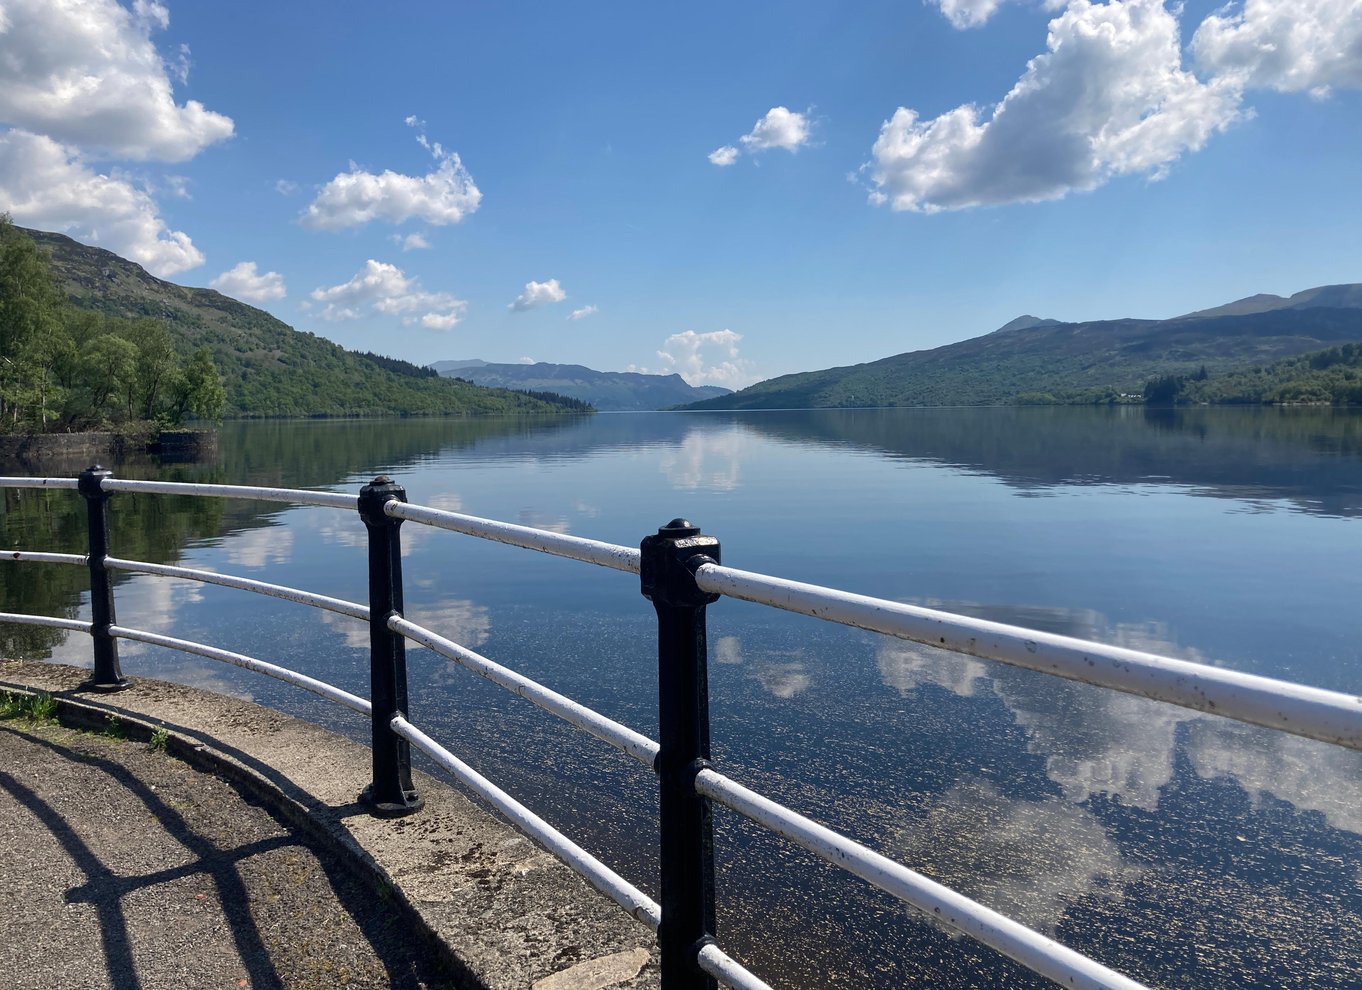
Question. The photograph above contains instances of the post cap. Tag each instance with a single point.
(678, 529)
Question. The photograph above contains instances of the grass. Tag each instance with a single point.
(40, 707)
(160, 738)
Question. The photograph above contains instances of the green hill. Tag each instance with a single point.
(267, 367)
(1090, 361)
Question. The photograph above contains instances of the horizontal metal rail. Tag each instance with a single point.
(295, 496)
(1327, 716)
(51, 621)
(728, 970)
(596, 873)
(328, 691)
(67, 483)
(545, 541)
(340, 605)
(45, 558)
(1030, 948)
(623, 738)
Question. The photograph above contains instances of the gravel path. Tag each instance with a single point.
(123, 867)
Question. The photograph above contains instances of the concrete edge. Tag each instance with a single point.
(499, 910)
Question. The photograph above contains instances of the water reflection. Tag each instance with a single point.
(707, 457)
(257, 548)
(1311, 457)
(784, 680)
(1028, 859)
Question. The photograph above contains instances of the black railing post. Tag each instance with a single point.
(107, 675)
(687, 834)
(391, 793)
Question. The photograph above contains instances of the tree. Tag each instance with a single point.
(108, 367)
(30, 309)
(197, 390)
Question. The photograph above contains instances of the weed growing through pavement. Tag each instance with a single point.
(40, 707)
(114, 728)
(159, 739)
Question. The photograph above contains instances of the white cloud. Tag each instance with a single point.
(244, 282)
(538, 294)
(967, 13)
(583, 313)
(46, 185)
(705, 358)
(177, 186)
(86, 73)
(779, 128)
(285, 187)
(411, 242)
(385, 289)
(1288, 45)
(526, 360)
(1109, 98)
(352, 199)
(726, 155)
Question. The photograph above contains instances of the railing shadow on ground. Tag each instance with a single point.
(681, 574)
(107, 887)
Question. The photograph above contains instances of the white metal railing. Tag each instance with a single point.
(1327, 716)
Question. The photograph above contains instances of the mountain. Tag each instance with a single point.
(606, 390)
(1048, 358)
(268, 368)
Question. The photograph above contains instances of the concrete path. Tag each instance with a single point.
(123, 867)
(240, 857)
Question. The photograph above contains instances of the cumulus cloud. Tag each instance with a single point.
(583, 313)
(352, 199)
(967, 13)
(1291, 46)
(780, 128)
(382, 288)
(538, 294)
(705, 359)
(46, 185)
(726, 155)
(244, 282)
(87, 73)
(1109, 98)
(412, 242)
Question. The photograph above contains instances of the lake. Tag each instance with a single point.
(1182, 849)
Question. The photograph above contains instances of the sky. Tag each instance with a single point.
(727, 191)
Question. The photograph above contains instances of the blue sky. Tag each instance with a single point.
(731, 191)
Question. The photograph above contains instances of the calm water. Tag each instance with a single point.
(1184, 850)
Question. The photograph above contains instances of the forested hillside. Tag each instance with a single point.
(1098, 361)
(266, 368)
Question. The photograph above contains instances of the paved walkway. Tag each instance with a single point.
(123, 867)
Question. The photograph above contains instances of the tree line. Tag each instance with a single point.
(64, 369)
(1329, 377)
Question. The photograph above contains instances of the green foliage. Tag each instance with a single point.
(1077, 363)
(61, 368)
(40, 707)
(265, 368)
(159, 740)
(1329, 377)
(114, 728)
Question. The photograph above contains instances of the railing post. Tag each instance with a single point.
(687, 834)
(107, 675)
(391, 793)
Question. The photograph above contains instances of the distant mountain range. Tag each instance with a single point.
(611, 391)
(1030, 356)
(267, 367)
